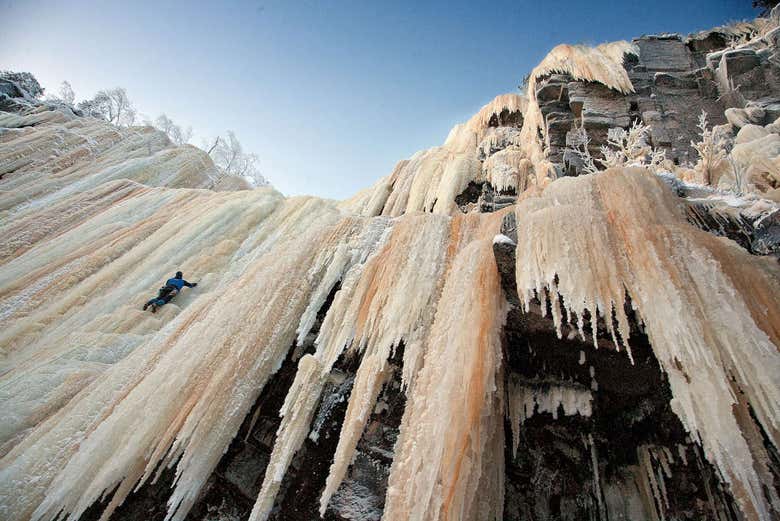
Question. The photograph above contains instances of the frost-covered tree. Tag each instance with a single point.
(66, 93)
(227, 152)
(252, 171)
(25, 80)
(65, 96)
(630, 147)
(175, 133)
(577, 150)
(113, 105)
(229, 156)
(711, 148)
(625, 147)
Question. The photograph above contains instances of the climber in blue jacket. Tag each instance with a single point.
(171, 289)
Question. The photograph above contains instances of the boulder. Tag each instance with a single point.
(559, 122)
(753, 224)
(553, 88)
(770, 106)
(763, 157)
(774, 127)
(755, 113)
(749, 133)
(598, 105)
(741, 117)
(707, 41)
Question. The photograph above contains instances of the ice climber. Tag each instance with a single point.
(171, 289)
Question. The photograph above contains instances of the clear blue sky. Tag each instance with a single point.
(329, 94)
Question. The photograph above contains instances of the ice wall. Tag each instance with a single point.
(92, 386)
(98, 397)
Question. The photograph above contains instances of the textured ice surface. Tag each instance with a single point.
(97, 395)
(710, 309)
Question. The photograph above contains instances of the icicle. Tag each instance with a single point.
(330, 401)
(381, 303)
(448, 462)
(684, 285)
(525, 399)
(594, 461)
(508, 169)
(653, 482)
(681, 452)
(602, 64)
(504, 102)
(368, 383)
(353, 251)
(297, 411)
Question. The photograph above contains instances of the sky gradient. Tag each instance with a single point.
(330, 95)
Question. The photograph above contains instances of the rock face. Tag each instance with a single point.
(668, 98)
(484, 334)
(674, 80)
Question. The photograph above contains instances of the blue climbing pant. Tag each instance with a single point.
(164, 296)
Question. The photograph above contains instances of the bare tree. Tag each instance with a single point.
(577, 151)
(227, 153)
(229, 156)
(66, 93)
(631, 147)
(65, 96)
(113, 105)
(212, 147)
(249, 169)
(174, 132)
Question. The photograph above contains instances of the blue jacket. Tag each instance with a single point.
(178, 283)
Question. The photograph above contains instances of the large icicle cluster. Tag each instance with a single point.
(602, 64)
(130, 418)
(392, 300)
(379, 305)
(449, 457)
(430, 180)
(525, 399)
(710, 309)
